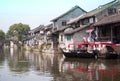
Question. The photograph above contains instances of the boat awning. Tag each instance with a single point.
(89, 31)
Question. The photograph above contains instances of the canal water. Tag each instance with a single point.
(25, 66)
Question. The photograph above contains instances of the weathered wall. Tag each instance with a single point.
(78, 36)
(77, 12)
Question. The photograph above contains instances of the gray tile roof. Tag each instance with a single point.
(108, 20)
(48, 27)
(28, 38)
(78, 29)
(99, 9)
(37, 29)
(95, 11)
(63, 28)
(67, 12)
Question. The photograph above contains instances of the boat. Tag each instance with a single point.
(90, 50)
(106, 50)
(78, 50)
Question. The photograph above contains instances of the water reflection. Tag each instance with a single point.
(17, 61)
(90, 69)
(1, 57)
(26, 66)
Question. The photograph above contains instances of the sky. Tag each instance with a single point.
(39, 12)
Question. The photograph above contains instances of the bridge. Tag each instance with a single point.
(13, 41)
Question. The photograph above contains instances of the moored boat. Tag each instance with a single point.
(91, 50)
(79, 50)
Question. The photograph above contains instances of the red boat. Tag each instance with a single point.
(90, 50)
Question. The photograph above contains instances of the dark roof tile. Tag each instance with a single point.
(67, 12)
(95, 11)
(78, 29)
(108, 20)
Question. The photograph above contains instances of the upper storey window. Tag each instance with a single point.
(111, 11)
(64, 23)
(77, 24)
(85, 21)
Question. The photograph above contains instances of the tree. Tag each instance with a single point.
(18, 30)
(2, 35)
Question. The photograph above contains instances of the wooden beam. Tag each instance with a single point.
(111, 34)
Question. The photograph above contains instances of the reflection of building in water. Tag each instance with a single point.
(60, 63)
(18, 63)
(41, 62)
(64, 69)
(11, 51)
(89, 70)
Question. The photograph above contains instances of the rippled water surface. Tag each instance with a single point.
(25, 66)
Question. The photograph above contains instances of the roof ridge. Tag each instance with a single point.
(73, 8)
(101, 6)
(107, 3)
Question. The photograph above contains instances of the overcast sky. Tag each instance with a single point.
(36, 12)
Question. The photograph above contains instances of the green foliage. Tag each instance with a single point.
(2, 35)
(7, 43)
(18, 30)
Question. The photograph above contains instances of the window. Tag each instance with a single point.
(111, 11)
(77, 24)
(91, 20)
(106, 31)
(64, 23)
(85, 21)
(61, 37)
(69, 37)
(116, 32)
